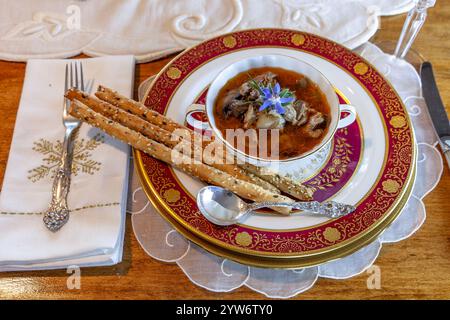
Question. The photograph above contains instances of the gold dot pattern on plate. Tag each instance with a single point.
(173, 73)
(331, 234)
(398, 121)
(171, 195)
(229, 41)
(298, 39)
(361, 68)
(391, 186)
(243, 239)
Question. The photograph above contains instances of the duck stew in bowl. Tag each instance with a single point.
(274, 99)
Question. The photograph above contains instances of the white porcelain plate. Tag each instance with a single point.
(369, 164)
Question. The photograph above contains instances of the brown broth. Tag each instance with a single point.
(293, 140)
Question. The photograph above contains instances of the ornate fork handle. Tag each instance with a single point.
(330, 209)
(58, 213)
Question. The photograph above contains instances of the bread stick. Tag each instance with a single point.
(161, 152)
(167, 138)
(282, 183)
(285, 184)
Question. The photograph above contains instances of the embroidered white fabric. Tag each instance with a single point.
(162, 242)
(150, 29)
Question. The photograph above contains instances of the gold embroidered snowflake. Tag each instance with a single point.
(82, 157)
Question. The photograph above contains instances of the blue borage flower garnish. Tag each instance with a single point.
(274, 97)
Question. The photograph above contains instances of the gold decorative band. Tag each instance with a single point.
(90, 206)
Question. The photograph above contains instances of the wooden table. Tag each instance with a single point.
(417, 268)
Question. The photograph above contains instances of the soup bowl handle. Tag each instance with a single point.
(196, 118)
(349, 119)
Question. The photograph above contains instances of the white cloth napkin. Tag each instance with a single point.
(94, 233)
(156, 28)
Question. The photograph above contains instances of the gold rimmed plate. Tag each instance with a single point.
(369, 164)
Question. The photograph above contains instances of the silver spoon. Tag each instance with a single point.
(224, 208)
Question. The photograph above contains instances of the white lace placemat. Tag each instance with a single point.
(151, 29)
(213, 273)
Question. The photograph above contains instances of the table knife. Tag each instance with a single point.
(436, 108)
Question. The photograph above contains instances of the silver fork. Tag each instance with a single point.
(58, 213)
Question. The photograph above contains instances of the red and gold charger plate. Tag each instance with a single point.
(370, 164)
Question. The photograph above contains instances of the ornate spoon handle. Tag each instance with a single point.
(413, 23)
(330, 209)
(58, 213)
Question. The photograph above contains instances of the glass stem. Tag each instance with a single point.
(414, 22)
